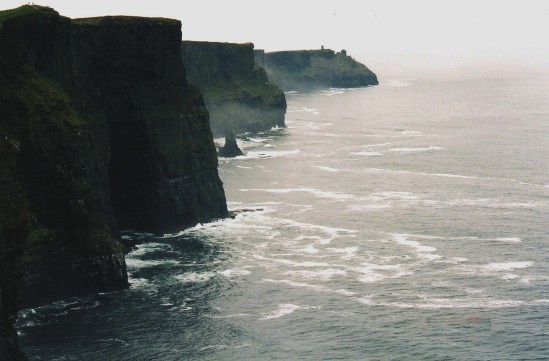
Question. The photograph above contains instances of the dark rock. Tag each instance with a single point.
(237, 91)
(311, 69)
(230, 149)
(99, 130)
(14, 213)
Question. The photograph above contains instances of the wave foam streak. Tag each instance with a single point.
(312, 258)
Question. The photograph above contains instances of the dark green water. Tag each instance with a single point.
(401, 222)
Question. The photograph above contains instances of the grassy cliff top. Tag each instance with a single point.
(309, 69)
(6, 15)
(217, 43)
(124, 20)
(24, 10)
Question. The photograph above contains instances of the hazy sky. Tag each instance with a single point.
(381, 33)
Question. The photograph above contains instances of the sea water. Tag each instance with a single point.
(407, 221)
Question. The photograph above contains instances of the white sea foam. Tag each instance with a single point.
(315, 192)
(134, 263)
(507, 266)
(493, 203)
(372, 272)
(345, 292)
(329, 169)
(374, 145)
(430, 148)
(231, 273)
(468, 303)
(367, 154)
(329, 135)
(309, 249)
(365, 300)
(230, 316)
(223, 347)
(332, 93)
(370, 277)
(259, 154)
(370, 207)
(503, 270)
(447, 175)
(508, 239)
(406, 196)
(138, 282)
(414, 244)
(283, 310)
(145, 248)
(300, 284)
(166, 302)
(322, 274)
(257, 140)
(194, 277)
(333, 231)
(117, 340)
(303, 109)
(456, 260)
(347, 252)
(422, 251)
(464, 303)
(290, 262)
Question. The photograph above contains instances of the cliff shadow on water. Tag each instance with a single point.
(99, 130)
(238, 94)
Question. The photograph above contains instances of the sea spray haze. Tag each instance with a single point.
(238, 94)
(404, 221)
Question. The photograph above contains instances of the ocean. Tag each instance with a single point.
(406, 221)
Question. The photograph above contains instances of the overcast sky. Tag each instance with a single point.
(381, 33)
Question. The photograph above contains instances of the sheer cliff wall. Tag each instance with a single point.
(99, 131)
(237, 91)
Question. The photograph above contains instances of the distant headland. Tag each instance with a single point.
(310, 69)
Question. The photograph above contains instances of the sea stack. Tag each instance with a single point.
(230, 149)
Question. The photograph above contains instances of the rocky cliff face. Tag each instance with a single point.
(99, 130)
(163, 167)
(306, 69)
(13, 228)
(238, 93)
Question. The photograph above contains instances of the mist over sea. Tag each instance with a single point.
(407, 221)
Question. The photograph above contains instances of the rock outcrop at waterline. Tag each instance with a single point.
(237, 92)
(99, 130)
(310, 69)
(230, 149)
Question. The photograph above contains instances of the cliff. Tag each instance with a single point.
(99, 130)
(237, 92)
(309, 69)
